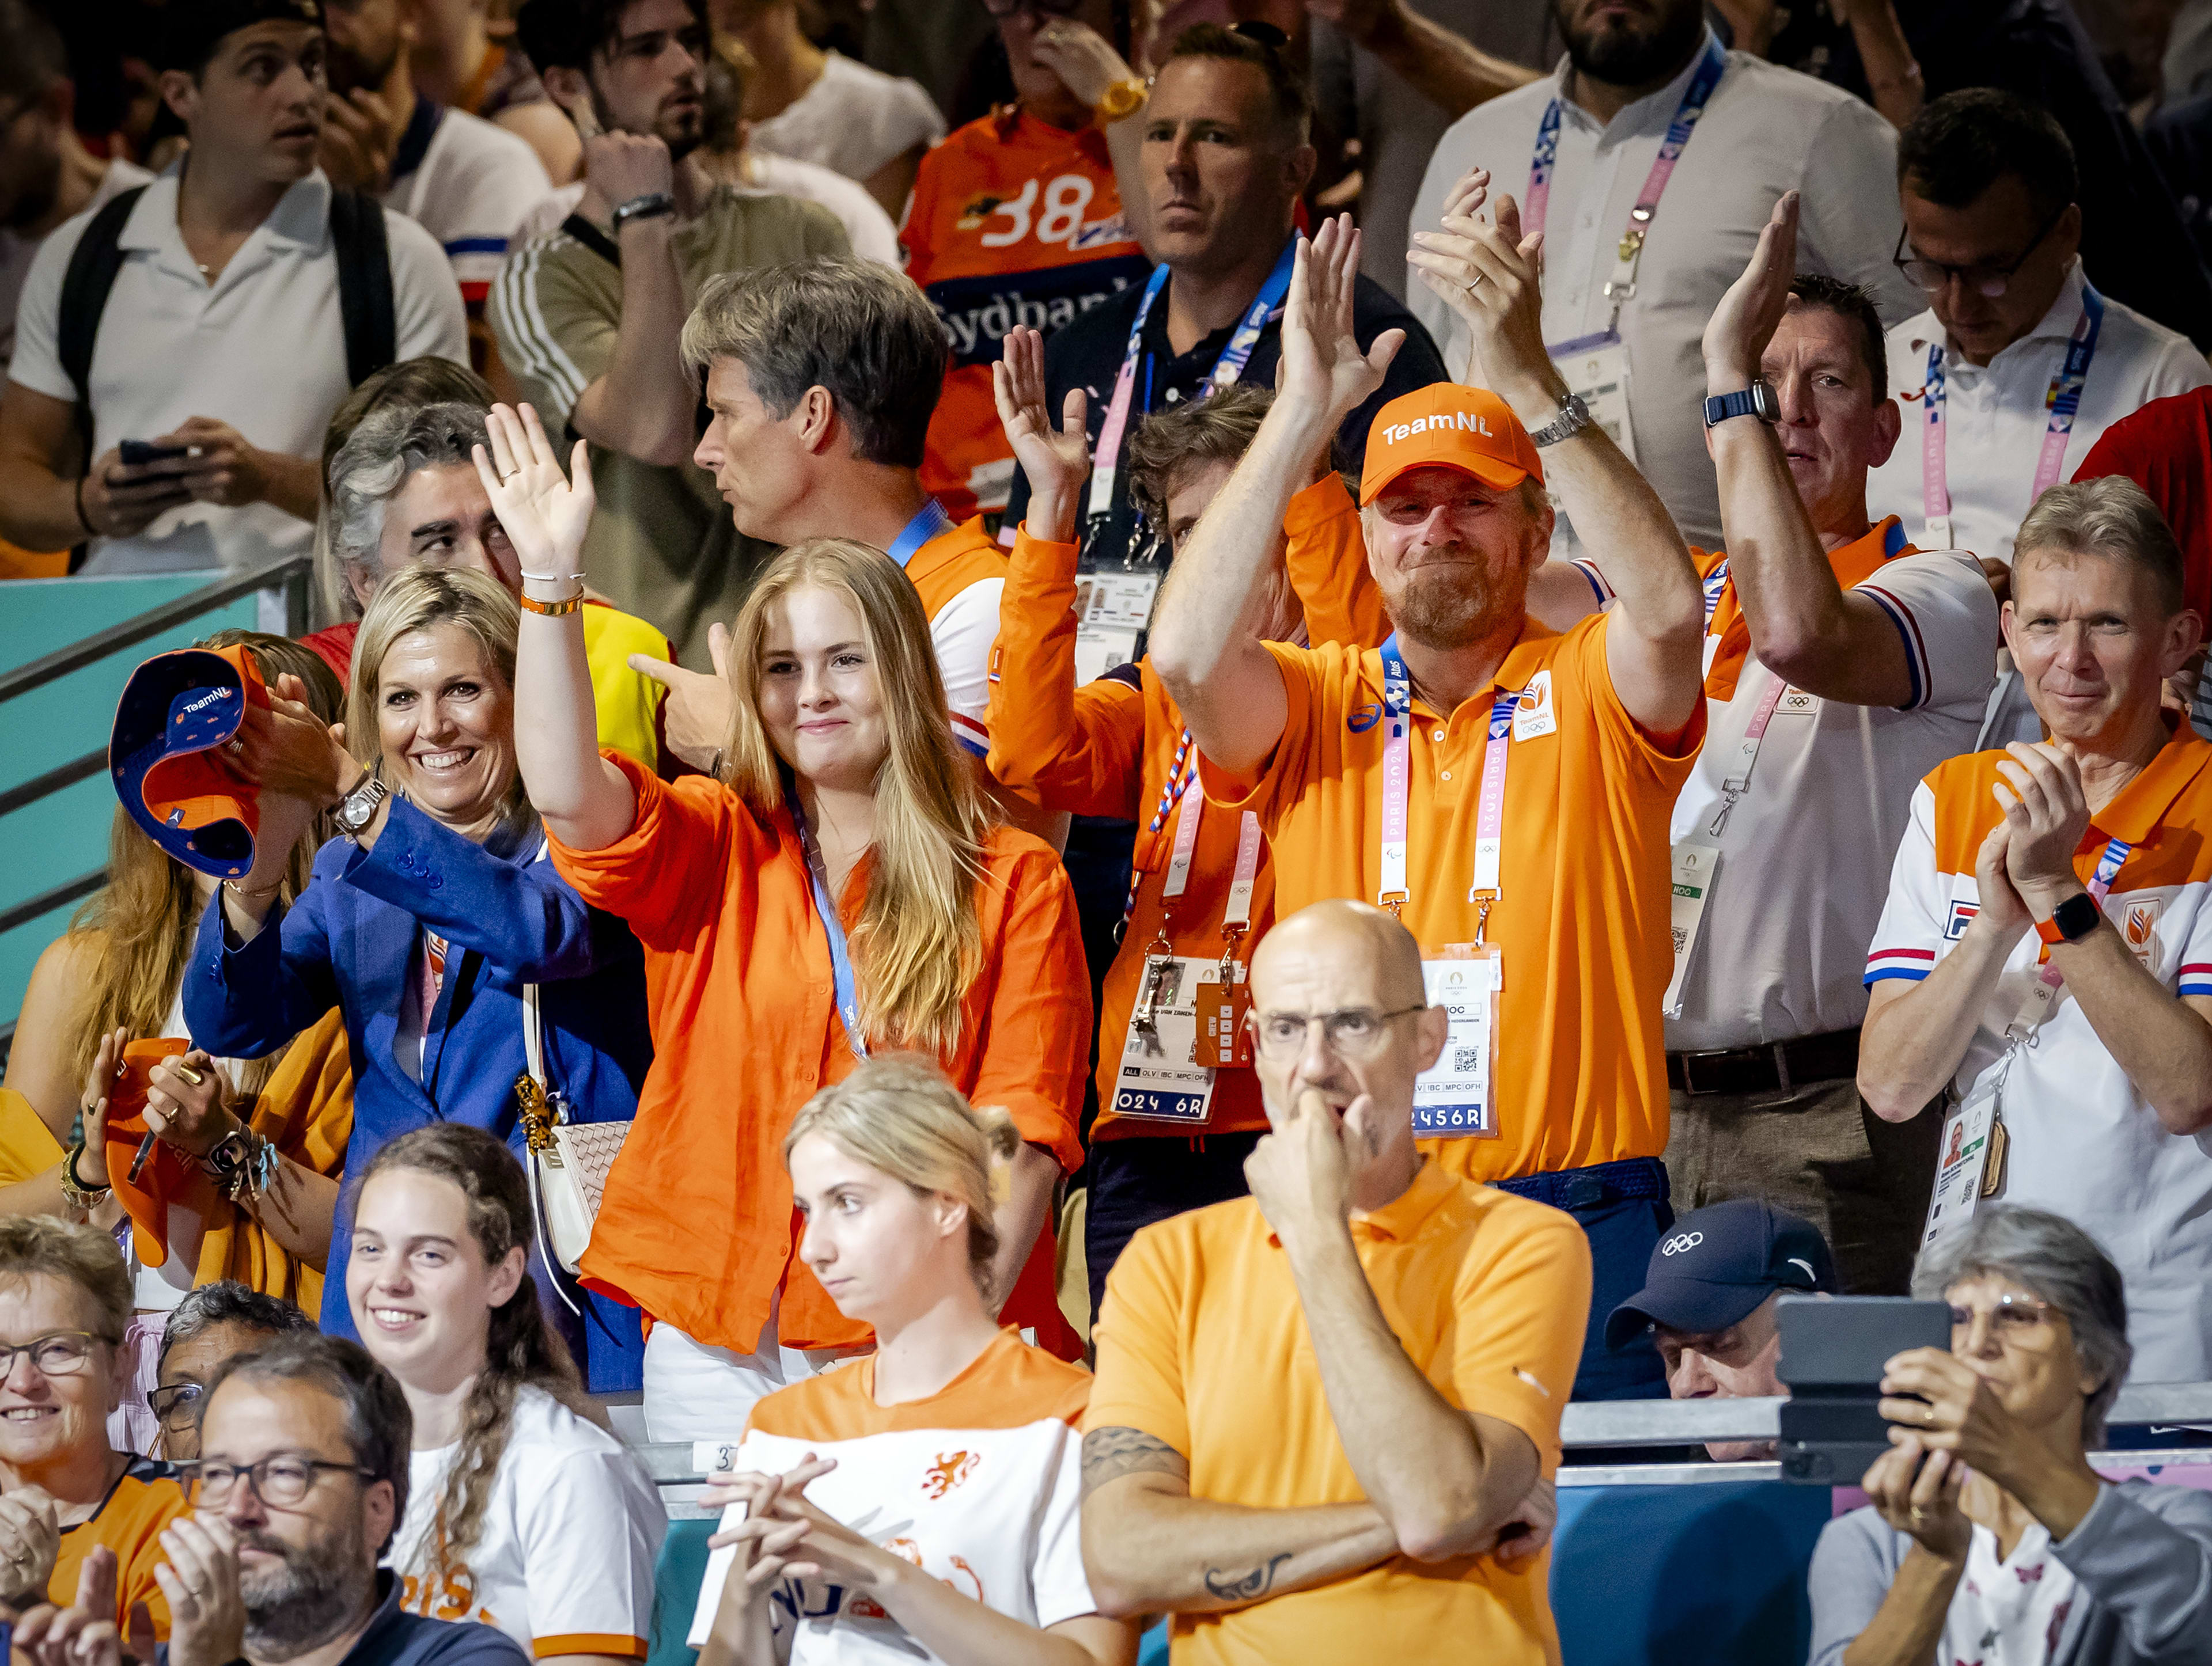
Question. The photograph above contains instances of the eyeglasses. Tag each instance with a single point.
(56, 1354)
(175, 1404)
(1931, 276)
(1357, 1033)
(283, 1481)
(2009, 1316)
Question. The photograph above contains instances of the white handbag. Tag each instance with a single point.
(568, 1160)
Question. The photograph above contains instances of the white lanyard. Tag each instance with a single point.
(1397, 774)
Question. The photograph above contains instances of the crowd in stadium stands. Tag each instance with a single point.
(1063, 767)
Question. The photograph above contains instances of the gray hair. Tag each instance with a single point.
(857, 329)
(389, 445)
(2110, 515)
(228, 1302)
(2059, 1263)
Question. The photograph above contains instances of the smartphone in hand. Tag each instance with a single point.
(136, 453)
(1833, 1349)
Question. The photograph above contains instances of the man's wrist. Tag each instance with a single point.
(1723, 376)
(2045, 898)
(1535, 397)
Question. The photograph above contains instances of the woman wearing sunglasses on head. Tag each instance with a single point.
(1988, 1536)
(955, 1441)
(522, 1512)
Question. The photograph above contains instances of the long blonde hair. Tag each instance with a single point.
(899, 1115)
(918, 944)
(415, 600)
(140, 927)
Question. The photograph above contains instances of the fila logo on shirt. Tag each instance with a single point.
(1681, 1242)
(1962, 915)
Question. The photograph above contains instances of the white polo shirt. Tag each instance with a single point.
(262, 348)
(2083, 1142)
(1764, 130)
(1805, 852)
(468, 182)
(1994, 417)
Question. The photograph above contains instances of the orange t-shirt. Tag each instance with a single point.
(128, 1522)
(1582, 912)
(1109, 748)
(1012, 221)
(697, 1226)
(1202, 1344)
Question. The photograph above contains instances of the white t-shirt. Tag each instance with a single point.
(1804, 865)
(563, 1564)
(853, 119)
(1994, 416)
(2082, 1141)
(470, 190)
(16, 254)
(978, 1484)
(2009, 1611)
(262, 348)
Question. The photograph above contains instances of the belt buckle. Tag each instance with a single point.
(1690, 1070)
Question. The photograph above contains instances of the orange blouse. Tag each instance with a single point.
(697, 1226)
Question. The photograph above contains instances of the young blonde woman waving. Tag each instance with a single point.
(838, 888)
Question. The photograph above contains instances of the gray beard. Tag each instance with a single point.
(321, 1594)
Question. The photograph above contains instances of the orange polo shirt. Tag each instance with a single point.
(697, 1227)
(1107, 748)
(1582, 915)
(128, 1522)
(1202, 1344)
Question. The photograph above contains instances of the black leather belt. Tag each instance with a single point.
(1773, 1069)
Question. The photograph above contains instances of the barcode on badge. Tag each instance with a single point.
(1466, 1060)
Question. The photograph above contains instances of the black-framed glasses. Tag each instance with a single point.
(176, 1404)
(1358, 1033)
(282, 1479)
(1930, 276)
(56, 1354)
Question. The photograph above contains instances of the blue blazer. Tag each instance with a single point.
(351, 942)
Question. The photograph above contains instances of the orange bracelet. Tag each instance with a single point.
(573, 604)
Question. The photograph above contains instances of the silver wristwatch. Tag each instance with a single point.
(1574, 416)
(358, 808)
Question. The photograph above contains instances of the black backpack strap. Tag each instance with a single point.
(93, 265)
(592, 238)
(364, 257)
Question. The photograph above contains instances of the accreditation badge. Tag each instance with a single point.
(1111, 612)
(1453, 1098)
(1694, 869)
(1163, 1076)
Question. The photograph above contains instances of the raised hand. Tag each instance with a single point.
(288, 750)
(1491, 276)
(207, 1614)
(1057, 461)
(1323, 366)
(1301, 1174)
(1084, 59)
(544, 512)
(185, 1104)
(1745, 321)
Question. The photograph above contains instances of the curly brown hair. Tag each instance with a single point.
(520, 1350)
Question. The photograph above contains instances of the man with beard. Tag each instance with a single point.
(588, 317)
(467, 182)
(1652, 158)
(243, 297)
(301, 1478)
(1502, 790)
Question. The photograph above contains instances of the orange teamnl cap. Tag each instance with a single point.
(1451, 426)
(175, 711)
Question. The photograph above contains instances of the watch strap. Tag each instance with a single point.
(1720, 407)
(650, 206)
(1574, 416)
(356, 808)
(2072, 920)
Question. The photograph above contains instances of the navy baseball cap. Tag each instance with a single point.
(175, 710)
(1717, 1264)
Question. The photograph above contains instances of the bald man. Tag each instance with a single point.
(1326, 1415)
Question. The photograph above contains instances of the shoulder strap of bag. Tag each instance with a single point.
(365, 302)
(93, 266)
(593, 238)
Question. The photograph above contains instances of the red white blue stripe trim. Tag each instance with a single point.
(1911, 963)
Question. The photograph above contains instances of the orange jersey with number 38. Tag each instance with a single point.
(1012, 221)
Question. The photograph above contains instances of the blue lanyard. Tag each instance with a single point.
(930, 521)
(1113, 431)
(841, 958)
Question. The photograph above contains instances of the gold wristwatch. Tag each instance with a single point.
(1122, 99)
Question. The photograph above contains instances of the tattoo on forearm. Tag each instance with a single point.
(1247, 1586)
(1109, 1454)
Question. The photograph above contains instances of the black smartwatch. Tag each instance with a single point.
(2072, 920)
(1757, 400)
(651, 206)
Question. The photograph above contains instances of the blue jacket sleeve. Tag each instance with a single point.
(522, 917)
(244, 1003)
